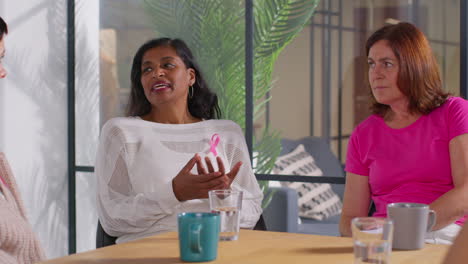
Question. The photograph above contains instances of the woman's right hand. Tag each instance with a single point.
(188, 186)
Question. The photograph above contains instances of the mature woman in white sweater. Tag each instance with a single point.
(170, 151)
(18, 243)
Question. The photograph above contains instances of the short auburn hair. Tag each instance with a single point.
(419, 76)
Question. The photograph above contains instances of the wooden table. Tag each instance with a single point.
(252, 247)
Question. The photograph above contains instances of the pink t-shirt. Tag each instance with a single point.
(410, 164)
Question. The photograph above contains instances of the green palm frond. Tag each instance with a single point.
(164, 16)
(270, 144)
(267, 147)
(277, 22)
(180, 19)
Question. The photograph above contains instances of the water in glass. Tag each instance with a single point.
(229, 222)
(371, 252)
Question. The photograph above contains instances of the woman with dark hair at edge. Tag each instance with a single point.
(145, 165)
(414, 148)
(18, 243)
(3, 32)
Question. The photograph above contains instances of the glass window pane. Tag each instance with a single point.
(86, 214)
(86, 81)
(124, 26)
(323, 69)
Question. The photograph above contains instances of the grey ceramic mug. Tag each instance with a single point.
(411, 223)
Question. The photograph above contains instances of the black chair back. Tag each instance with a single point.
(260, 225)
(102, 238)
(372, 209)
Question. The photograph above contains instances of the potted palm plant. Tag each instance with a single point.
(215, 29)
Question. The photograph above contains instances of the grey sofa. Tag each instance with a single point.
(282, 212)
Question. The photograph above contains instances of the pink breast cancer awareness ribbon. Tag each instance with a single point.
(213, 143)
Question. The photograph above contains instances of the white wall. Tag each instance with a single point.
(33, 113)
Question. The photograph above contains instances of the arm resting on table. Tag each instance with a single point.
(454, 203)
(356, 201)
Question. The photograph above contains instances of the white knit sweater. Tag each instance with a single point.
(137, 161)
(18, 243)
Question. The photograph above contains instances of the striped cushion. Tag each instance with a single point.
(316, 200)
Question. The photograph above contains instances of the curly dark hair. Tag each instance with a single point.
(3, 28)
(419, 76)
(203, 104)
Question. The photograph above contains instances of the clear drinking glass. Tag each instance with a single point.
(228, 204)
(372, 238)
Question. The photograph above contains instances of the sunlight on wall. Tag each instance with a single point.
(33, 115)
(33, 123)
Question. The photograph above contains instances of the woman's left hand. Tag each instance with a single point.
(231, 175)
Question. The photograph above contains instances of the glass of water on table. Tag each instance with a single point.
(228, 204)
(372, 238)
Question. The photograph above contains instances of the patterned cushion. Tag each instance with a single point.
(316, 200)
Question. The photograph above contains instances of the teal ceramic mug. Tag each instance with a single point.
(198, 236)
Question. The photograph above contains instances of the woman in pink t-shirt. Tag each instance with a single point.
(414, 148)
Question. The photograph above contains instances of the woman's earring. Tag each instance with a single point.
(190, 92)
